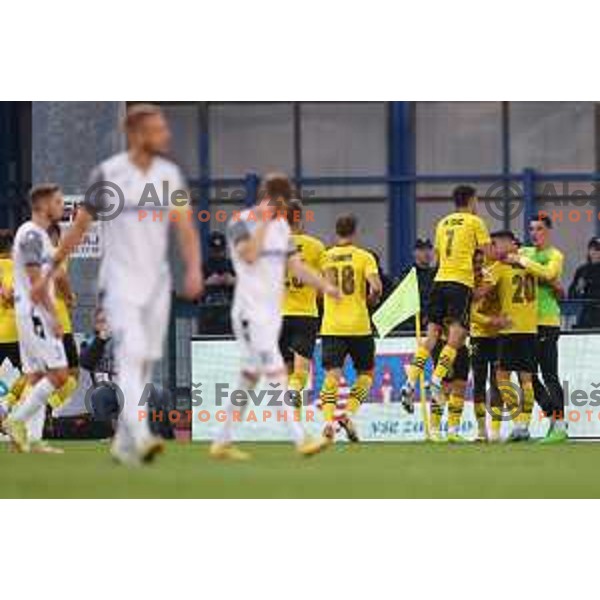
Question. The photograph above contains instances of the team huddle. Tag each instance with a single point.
(493, 309)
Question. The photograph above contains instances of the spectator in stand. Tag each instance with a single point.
(387, 282)
(219, 276)
(586, 286)
(219, 279)
(424, 265)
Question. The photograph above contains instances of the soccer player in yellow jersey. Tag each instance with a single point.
(457, 238)
(301, 321)
(486, 323)
(346, 329)
(9, 339)
(518, 294)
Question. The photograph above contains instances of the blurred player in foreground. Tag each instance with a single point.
(40, 333)
(517, 291)
(346, 329)
(135, 280)
(457, 238)
(261, 249)
(300, 311)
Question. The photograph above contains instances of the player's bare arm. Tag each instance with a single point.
(312, 279)
(68, 243)
(375, 288)
(189, 244)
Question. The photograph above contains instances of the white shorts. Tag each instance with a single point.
(139, 331)
(41, 351)
(259, 343)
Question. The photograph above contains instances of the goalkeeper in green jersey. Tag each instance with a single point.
(546, 262)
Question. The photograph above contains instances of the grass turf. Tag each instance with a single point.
(367, 471)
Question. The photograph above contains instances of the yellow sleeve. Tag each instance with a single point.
(550, 272)
(482, 235)
(320, 255)
(480, 319)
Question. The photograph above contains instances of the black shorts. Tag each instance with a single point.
(449, 302)
(11, 351)
(462, 364)
(298, 336)
(361, 349)
(71, 351)
(484, 350)
(516, 353)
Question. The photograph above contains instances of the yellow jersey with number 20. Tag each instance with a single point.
(348, 267)
(518, 293)
(456, 239)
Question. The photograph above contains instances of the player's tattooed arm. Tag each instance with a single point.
(247, 242)
(310, 278)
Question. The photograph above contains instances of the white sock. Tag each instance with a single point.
(295, 427)
(36, 425)
(36, 399)
(225, 435)
(131, 382)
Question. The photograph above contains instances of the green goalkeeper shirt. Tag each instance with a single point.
(547, 265)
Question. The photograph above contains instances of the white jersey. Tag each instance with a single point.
(32, 248)
(135, 256)
(259, 286)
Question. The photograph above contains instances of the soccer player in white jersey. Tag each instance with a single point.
(261, 249)
(135, 279)
(40, 334)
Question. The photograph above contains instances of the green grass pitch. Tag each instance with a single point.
(366, 471)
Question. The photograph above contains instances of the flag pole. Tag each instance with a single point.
(424, 412)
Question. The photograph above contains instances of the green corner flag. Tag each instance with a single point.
(403, 304)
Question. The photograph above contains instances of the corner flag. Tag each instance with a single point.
(403, 304)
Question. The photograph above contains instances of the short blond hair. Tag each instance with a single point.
(137, 113)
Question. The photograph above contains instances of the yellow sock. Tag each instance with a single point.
(417, 368)
(456, 405)
(16, 391)
(437, 412)
(481, 417)
(445, 363)
(61, 397)
(528, 401)
(329, 398)
(359, 393)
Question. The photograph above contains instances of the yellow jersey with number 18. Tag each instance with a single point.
(8, 323)
(456, 239)
(300, 300)
(348, 267)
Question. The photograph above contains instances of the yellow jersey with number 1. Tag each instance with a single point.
(300, 300)
(348, 267)
(456, 239)
(518, 294)
(8, 323)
